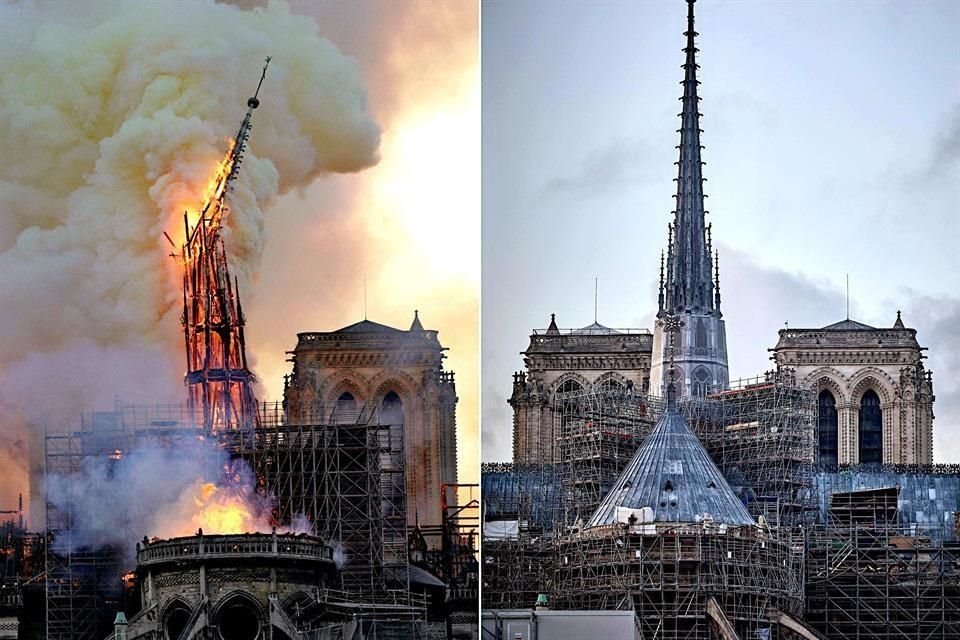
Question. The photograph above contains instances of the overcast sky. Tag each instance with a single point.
(832, 134)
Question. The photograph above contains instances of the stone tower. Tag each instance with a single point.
(569, 361)
(874, 396)
(371, 373)
(690, 279)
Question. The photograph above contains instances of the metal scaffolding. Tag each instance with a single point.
(347, 479)
(450, 551)
(668, 574)
(760, 433)
(600, 429)
(520, 505)
(872, 578)
(516, 570)
(842, 549)
(83, 586)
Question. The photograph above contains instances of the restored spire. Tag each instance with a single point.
(689, 285)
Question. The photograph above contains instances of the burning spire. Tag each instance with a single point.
(219, 382)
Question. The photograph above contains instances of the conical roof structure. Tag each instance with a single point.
(673, 475)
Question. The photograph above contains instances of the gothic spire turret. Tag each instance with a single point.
(416, 325)
(689, 284)
(553, 330)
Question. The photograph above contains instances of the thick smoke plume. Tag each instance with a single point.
(161, 490)
(112, 117)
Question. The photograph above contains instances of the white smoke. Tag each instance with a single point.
(113, 115)
(340, 557)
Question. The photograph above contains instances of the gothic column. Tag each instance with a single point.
(890, 417)
(847, 436)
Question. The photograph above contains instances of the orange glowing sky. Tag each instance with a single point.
(411, 224)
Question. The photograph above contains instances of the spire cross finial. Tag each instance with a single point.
(671, 326)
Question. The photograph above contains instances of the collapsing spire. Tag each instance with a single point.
(218, 379)
(689, 279)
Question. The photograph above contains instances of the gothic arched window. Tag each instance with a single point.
(827, 428)
(391, 410)
(568, 405)
(700, 336)
(611, 385)
(871, 428)
(700, 383)
(345, 410)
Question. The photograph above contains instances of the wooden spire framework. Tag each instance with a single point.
(218, 379)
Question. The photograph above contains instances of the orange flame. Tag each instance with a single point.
(218, 182)
(219, 511)
(212, 192)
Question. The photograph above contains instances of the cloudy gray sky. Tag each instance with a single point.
(832, 134)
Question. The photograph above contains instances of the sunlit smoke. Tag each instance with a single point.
(412, 224)
(113, 117)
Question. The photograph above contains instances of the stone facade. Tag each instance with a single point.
(863, 374)
(372, 373)
(570, 360)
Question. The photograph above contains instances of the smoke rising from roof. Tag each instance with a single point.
(112, 117)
